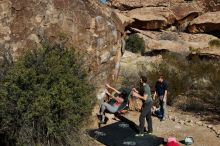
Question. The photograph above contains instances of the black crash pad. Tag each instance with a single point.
(123, 134)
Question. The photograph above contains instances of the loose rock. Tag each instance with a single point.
(199, 123)
(181, 122)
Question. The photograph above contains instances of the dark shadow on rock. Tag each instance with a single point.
(155, 52)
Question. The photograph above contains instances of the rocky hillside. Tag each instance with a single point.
(183, 29)
(97, 31)
(83, 24)
(174, 25)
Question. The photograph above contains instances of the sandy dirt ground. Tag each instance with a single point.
(178, 124)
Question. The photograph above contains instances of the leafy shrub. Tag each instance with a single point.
(45, 98)
(135, 44)
(214, 43)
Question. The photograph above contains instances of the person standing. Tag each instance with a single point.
(145, 96)
(161, 92)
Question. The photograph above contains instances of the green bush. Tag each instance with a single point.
(45, 98)
(135, 44)
(214, 43)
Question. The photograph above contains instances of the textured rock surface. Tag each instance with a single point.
(208, 22)
(211, 5)
(132, 4)
(197, 16)
(172, 24)
(151, 18)
(88, 26)
(183, 10)
(160, 14)
(206, 5)
(175, 42)
(123, 19)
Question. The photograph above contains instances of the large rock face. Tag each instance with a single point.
(151, 18)
(211, 5)
(208, 22)
(206, 5)
(175, 23)
(159, 14)
(132, 4)
(87, 26)
(175, 42)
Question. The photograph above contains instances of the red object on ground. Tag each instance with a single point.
(172, 143)
(123, 111)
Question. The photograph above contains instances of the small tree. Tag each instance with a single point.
(45, 97)
(135, 44)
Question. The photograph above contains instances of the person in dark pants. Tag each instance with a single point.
(161, 92)
(145, 96)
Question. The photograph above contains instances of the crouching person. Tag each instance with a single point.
(156, 112)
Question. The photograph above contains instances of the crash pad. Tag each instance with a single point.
(123, 133)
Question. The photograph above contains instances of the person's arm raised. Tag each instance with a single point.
(112, 88)
(111, 96)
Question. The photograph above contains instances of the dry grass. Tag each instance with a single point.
(198, 80)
